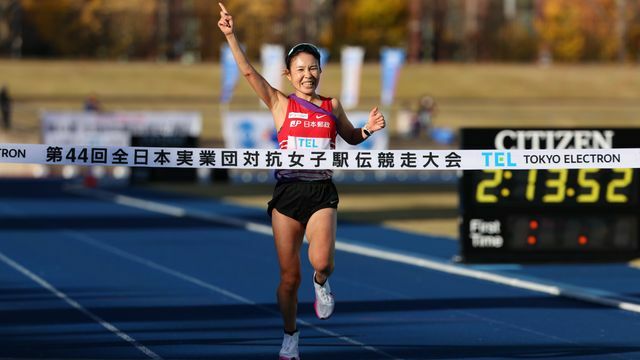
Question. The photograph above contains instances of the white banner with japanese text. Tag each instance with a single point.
(175, 157)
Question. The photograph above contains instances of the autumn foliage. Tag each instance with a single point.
(466, 30)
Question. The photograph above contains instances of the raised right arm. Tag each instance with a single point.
(269, 95)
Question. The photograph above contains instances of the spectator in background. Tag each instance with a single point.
(91, 103)
(5, 107)
(423, 119)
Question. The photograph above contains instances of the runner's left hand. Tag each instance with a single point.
(376, 120)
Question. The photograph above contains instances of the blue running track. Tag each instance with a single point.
(136, 274)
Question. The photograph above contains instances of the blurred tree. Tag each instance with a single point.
(10, 28)
(439, 11)
(87, 28)
(598, 24)
(210, 38)
(257, 22)
(54, 22)
(515, 42)
(372, 24)
(633, 32)
(415, 28)
(127, 33)
(507, 33)
(458, 30)
(559, 27)
(484, 43)
(594, 31)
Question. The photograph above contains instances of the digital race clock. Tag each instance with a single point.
(549, 215)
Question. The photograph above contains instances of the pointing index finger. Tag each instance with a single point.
(223, 8)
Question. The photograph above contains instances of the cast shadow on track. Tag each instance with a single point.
(42, 315)
(271, 345)
(54, 331)
(316, 348)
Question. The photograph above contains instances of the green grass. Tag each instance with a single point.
(467, 95)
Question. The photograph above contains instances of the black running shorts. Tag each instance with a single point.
(300, 199)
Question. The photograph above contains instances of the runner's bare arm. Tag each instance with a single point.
(354, 136)
(269, 95)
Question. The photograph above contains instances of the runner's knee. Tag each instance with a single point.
(322, 265)
(290, 281)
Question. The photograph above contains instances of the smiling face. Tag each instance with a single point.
(304, 74)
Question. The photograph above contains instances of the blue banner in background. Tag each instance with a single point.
(351, 59)
(324, 58)
(272, 57)
(392, 60)
(230, 73)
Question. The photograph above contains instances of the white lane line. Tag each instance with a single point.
(592, 296)
(447, 268)
(193, 280)
(40, 281)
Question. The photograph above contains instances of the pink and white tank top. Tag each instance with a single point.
(307, 126)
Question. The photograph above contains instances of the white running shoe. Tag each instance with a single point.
(289, 350)
(324, 303)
